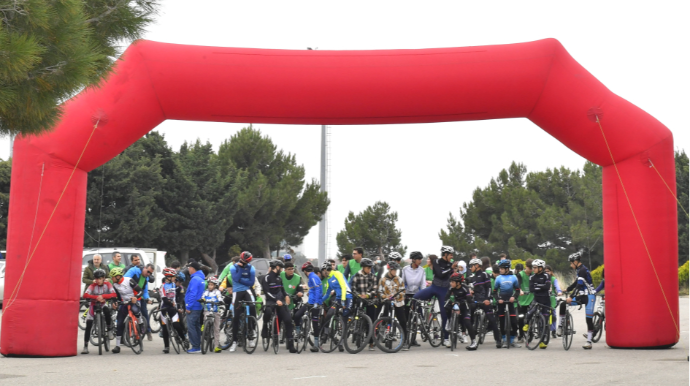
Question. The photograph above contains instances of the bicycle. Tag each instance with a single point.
(99, 335)
(155, 316)
(134, 331)
(387, 328)
(207, 330)
(454, 326)
(302, 337)
(568, 325)
(431, 332)
(332, 329)
(248, 328)
(358, 325)
(226, 329)
(506, 322)
(175, 339)
(599, 320)
(83, 312)
(273, 338)
(537, 325)
(480, 323)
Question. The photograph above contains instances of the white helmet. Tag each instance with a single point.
(475, 261)
(446, 249)
(394, 256)
(538, 263)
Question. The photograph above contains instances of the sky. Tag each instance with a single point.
(637, 50)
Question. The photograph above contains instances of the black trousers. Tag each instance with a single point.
(283, 317)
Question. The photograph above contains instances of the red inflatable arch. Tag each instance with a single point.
(156, 81)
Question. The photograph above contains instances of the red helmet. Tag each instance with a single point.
(169, 272)
(457, 277)
(246, 257)
(307, 265)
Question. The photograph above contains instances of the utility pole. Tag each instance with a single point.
(11, 145)
(322, 223)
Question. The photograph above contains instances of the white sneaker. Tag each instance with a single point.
(252, 343)
(446, 342)
(448, 325)
(463, 339)
(233, 347)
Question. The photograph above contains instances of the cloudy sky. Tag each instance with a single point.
(638, 51)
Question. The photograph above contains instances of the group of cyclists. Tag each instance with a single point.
(358, 288)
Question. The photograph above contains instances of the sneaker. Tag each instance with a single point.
(233, 347)
(193, 351)
(166, 350)
(217, 350)
(252, 343)
(446, 342)
(559, 331)
(504, 344)
(415, 344)
(448, 325)
(406, 347)
(515, 345)
(463, 338)
(553, 334)
(587, 346)
(472, 346)
(521, 339)
(499, 344)
(315, 346)
(115, 350)
(148, 336)
(85, 350)
(371, 347)
(542, 345)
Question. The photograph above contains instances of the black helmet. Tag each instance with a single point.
(504, 264)
(98, 274)
(326, 266)
(393, 266)
(276, 263)
(416, 255)
(575, 256)
(366, 262)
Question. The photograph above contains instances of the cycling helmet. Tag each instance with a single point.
(117, 271)
(416, 255)
(538, 263)
(504, 264)
(214, 280)
(394, 256)
(446, 249)
(169, 272)
(575, 256)
(366, 262)
(457, 277)
(180, 277)
(475, 261)
(98, 274)
(276, 263)
(246, 257)
(326, 266)
(287, 257)
(393, 266)
(307, 266)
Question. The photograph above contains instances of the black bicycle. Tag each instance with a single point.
(99, 335)
(332, 329)
(226, 330)
(207, 335)
(248, 328)
(359, 326)
(388, 333)
(480, 323)
(430, 331)
(454, 326)
(537, 326)
(568, 325)
(599, 320)
(302, 337)
(273, 338)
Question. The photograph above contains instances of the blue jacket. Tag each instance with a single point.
(135, 273)
(242, 277)
(315, 290)
(507, 286)
(194, 291)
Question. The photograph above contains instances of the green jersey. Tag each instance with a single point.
(525, 300)
(553, 291)
(354, 267)
(113, 265)
(290, 285)
(429, 273)
(324, 285)
(226, 273)
(341, 268)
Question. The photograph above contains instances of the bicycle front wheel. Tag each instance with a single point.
(83, 310)
(98, 318)
(277, 331)
(568, 332)
(535, 332)
(303, 338)
(388, 335)
(155, 320)
(251, 335)
(358, 333)
(453, 332)
(205, 344)
(174, 339)
(133, 335)
(331, 334)
(598, 322)
(435, 333)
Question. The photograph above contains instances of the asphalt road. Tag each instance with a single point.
(424, 365)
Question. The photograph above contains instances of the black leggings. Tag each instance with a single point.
(89, 324)
(465, 319)
(169, 313)
(239, 309)
(122, 313)
(510, 307)
(283, 317)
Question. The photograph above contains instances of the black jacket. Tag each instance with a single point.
(481, 283)
(272, 285)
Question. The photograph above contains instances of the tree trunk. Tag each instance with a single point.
(267, 250)
(211, 261)
(184, 257)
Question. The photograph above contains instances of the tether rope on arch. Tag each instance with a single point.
(17, 287)
(649, 255)
(668, 187)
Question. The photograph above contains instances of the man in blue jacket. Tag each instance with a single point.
(243, 277)
(193, 308)
(141, 277)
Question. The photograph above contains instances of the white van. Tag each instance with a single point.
(107, 255)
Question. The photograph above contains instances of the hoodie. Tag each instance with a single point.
(195, 291)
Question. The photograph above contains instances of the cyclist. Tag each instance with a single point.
(526, 297)
(353, 265)
(397, 257)
(555, 291)
(226, 272)
(414, 279)
(141, 276)
(585, 295)
(314, 301)
(213, 295)
(243, 276)
(507, 286)
(292, 283)
(390, 285)
(338, 286)
(277, 300)
(365, 286)
(127, 292)
(481, 286)
(98, 292)
(344, 259)
(442, 270)
(540, 288)
(461, 294)
(169, 293)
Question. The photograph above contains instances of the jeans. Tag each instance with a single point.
(143, 303)
(440, 294)
(194, 328)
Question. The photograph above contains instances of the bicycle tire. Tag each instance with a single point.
(204, 339)
(568, 331)
(304, 334)
(506, 326)
(535, 332)
(388, 335)
(155, 315)
(226, 327)
(357, 336)
(453, 332)
(412, 326)
(97, 322)
(598, 322)
(330, 336)
(93, 337)
(134, 342)
(173, 338)
(251, 330)
(480, 327)
(276, 332)
(104, 333)
(83, 309)
(434, 332)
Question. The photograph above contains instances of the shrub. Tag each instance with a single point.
(515, 262)
(597, 275)
(683, 276)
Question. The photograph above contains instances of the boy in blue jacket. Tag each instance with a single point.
(195, 290)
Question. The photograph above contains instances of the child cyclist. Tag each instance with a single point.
(128, 292)
(584, 295)
(98, 292)
(481, 286)
(461, 293)
(507, 288)
(213, 295)
(540, 287)
(169, 314)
